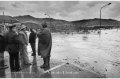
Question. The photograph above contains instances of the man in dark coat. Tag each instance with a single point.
(2, 49)
(32, 41)
(44, 45)
(12, 41)
(2, 43)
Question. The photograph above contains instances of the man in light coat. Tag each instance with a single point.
(24, 38)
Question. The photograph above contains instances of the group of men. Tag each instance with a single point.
(15, 42)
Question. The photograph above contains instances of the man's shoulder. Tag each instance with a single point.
(1, 34)
(6, 33)
(47, 30)
(21, 32)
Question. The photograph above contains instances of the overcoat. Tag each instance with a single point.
(23, 47)
(12, 41)
(23, 37)
(2, 43)
(32, 37)
(44, 43)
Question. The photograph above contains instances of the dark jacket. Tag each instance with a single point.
(2, 43)
(32, 37)
(12, 42)
(44, 43)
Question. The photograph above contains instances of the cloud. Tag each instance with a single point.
(114, 11)
(92, 4)
(16, 5)
(2, 8)
(68, 10)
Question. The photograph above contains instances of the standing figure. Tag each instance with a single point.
(23, 47)
(44, 45)
(12, 46)
(2, 49)
(32, 41)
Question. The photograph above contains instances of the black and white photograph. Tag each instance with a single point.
(59, 39)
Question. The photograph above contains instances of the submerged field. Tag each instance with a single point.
(92, 52)
(96, 53)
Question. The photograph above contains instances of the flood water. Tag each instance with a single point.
(92, 52)
(98, 53)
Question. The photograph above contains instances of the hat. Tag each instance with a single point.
(11, 25)
(44, 25)
(22, 27)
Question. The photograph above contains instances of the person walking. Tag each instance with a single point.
(32, 41)
(12, 46)
(23, 51)
(44, 45)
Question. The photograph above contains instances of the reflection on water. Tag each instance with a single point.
(2, 72)
(103, 47)
(46, 75)
(30, 71)
(85, 38)
(101, 55)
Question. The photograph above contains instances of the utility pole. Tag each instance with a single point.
(3, 21)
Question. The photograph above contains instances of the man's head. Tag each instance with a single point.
(44, 25)
(32, 30)
(23, 27)
(12, 27)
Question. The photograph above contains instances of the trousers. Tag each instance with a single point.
(14, 60)
(24, 54)
(33, 47)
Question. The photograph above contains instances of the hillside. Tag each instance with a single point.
(54, 24)
(95, 23)
(62, 25)
(7, 19)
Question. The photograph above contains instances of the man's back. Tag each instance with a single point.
(23, 37)
(12, 41)
(2, 43)
(32, 37)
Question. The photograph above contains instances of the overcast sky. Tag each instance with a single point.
(66, 10)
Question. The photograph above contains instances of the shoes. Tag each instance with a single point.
(18, 69)
(28, 63)
(42, 66)
(46, 63)
(33, 54)
(13, 70)
(4, 67)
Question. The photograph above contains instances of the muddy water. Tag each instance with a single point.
(100, 54)
(96, 53)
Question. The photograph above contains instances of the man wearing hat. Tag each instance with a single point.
(32, 41)
(12, 46)
(24, 38)
(44, 45)
(2, 49)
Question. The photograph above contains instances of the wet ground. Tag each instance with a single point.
(57, 69)
(76, 56)
(98, 53)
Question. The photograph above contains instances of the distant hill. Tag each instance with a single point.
(54, 24)
(95, 23)
(7, 19)
(62, 25)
